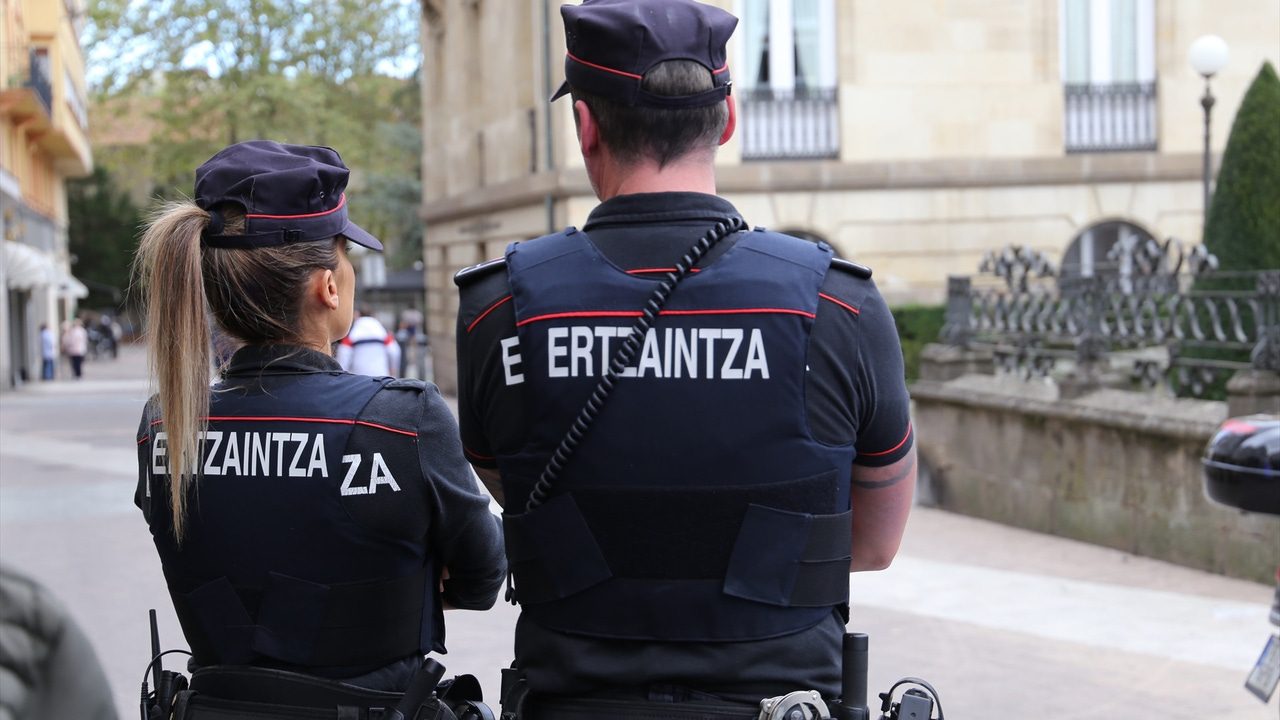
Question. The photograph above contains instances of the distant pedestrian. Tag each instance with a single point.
(48, 351)
(369, 349)
(404, 336)
(412, 318)
(109, 338)
(76, 344)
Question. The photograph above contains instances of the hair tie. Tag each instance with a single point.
(215, 224)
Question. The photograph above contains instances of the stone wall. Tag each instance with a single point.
(1112, 467)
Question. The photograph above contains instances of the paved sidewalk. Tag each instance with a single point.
(127, 371)
(1006, 623)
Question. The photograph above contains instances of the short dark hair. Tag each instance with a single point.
(662, 134)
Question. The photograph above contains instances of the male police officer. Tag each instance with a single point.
(693, 554)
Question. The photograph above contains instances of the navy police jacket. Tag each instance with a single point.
(698, 507)
(307, 543)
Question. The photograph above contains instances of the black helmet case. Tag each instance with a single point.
(1242, 464)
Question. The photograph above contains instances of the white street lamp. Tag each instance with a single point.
(1208, 55)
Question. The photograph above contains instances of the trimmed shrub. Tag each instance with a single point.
(918, 325)
(1243, 227)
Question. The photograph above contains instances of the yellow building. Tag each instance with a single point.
(912, 136)
(43, 141)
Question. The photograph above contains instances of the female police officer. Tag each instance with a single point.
(304, 516)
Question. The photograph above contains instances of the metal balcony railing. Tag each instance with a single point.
(39, 78)
(27, 67)
(1110, 118)
(789, 124)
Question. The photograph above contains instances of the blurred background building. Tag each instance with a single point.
(43, 141)
(911, 136)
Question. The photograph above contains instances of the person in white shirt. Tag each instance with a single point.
(368, 349)
(48, 351)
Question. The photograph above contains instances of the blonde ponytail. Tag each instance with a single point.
(168, 266)
(254, 295)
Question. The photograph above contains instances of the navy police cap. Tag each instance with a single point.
(290, 193)
(611, 44)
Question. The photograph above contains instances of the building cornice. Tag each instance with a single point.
(952, 173)
(832, 176)
(520, 192)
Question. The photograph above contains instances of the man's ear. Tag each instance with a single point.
(588, 130)
(732, 123)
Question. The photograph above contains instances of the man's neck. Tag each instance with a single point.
(686, 175)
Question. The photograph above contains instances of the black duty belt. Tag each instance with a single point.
(597, 708)
(227, 692)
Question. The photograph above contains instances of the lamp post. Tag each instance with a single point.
(1208, 55)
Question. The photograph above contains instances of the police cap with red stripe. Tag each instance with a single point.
(611, 44)
(289, 193)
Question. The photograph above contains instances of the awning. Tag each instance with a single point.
(69, 287)
(25, 268)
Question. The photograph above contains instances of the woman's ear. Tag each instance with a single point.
(326, 289)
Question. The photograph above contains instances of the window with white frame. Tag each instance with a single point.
(74, 100)
(1108, 74)
(785, 78)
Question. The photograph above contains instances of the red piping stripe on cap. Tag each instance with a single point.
(623, 73)
(341, 201)
(601, 67)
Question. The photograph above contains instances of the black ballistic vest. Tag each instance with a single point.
(305, 537)
(699, 507)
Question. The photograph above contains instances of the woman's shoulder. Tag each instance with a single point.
(403, 402)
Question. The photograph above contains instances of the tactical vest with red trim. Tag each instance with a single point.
(304, 545)
(698, 507)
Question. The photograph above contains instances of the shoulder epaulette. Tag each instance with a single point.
(468, 275)
(406, 383)
(861, 271)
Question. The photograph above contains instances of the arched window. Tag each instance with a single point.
(1086, 256)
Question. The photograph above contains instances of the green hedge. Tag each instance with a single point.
(1243, 224)
(1243, 227)
(918, 325)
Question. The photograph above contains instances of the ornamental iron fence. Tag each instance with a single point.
(1161, 309)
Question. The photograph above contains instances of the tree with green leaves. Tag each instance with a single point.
(316, 72)
(1243, 227)
(101, 234)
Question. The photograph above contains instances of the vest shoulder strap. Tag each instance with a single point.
(538, 250)
(837, 263)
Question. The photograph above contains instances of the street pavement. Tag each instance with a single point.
(1005, 623)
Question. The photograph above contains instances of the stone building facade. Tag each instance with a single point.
(911, 136)
(43, 141)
